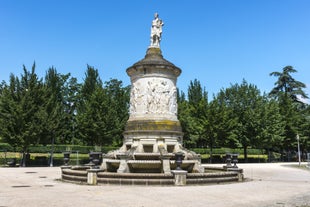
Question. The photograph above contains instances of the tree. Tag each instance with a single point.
(53, 113)
(72, 99)
(288, 92)
(304, 131)
(103, 110)
(288, 85)
(21, 107)
(118, 97)
(89, 108)
(185, 119)
(271, 125)
(91, 82)
(220, 123)
(244, 103)
(198, 105)
(94, 122)
(105, 114)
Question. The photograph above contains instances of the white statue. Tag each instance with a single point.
(156, 31)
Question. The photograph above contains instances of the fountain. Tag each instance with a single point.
(152, 151)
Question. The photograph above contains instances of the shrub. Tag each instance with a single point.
(227, 150)
(5, 147)
(72, 148)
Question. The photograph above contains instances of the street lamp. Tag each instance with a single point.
(52, 151)
(297, 137)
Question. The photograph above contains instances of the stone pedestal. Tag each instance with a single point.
(166, 164)
(179, 177)
(123, 166)
(92, 176)
(240, 172)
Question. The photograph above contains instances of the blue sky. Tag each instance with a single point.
(218, 42)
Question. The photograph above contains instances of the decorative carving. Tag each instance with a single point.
(158, 97)
(173, 105)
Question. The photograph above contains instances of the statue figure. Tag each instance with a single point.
(156, 31)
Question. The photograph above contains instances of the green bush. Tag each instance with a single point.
(5, 147)
(43, 159)
(220, 158)
(63, 148)
(227, 150)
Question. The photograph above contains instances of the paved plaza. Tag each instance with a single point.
(267, 185)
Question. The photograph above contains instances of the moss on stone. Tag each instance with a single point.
(151, 125)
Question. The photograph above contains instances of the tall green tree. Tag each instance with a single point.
(103, 112)
(185, 119)
(91, 82)
(21, 107)
(104, 117)
(289, 92)
(304, 131)
(271, 126)
(244, 101)
(287, 85)
(88, 116)
(198, 106)
(53, 112)
(72, 99)
(95, 123)
(118, 96)
(220, 122)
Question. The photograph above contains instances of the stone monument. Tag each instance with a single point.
(152, 151)
(153, 132)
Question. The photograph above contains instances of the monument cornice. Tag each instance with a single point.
(153, 60)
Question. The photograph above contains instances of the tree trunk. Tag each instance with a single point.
(245, 153)
(23, 161)
(211, 150)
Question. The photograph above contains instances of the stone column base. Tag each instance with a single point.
(92, 176)
(179, 177)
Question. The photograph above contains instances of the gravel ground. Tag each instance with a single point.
(275, 185)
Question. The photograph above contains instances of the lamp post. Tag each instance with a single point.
(52, 151)
(297, 137)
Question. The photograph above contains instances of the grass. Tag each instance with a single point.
(5, 157)
(206, 156)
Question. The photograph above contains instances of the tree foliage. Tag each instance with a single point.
(58, 109)
(289, 93)
(287, 85)
(61, 110)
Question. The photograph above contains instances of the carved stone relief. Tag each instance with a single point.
(153, 96)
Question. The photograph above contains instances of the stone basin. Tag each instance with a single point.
(146, 166)
(146, 156)
(112, 165)
(187, 165)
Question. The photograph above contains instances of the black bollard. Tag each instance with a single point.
(235, 160)
(66, 158)
(178, 160)
(228, 160)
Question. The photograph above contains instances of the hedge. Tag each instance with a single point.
(43, 159)
(5, 147)
(220, 158)
(228, 150)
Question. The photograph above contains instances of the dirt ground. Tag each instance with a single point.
(276, 184)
